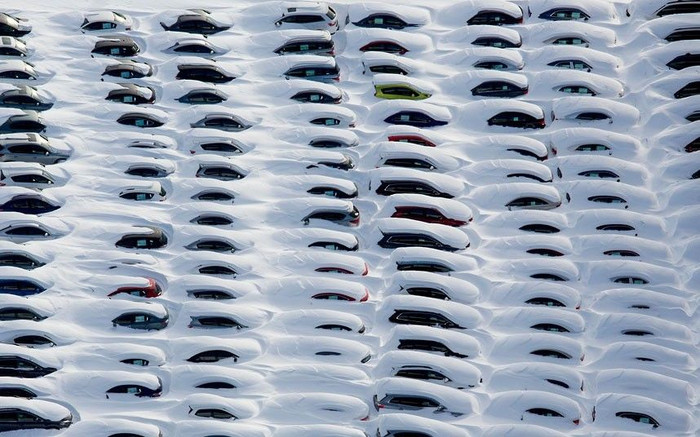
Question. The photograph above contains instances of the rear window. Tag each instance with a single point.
(331, 13)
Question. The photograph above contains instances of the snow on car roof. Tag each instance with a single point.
(611, 324)
(472, 78)
(457, 14)
(473, 55)
(468, 34)
(245, 348)
(97, 425)
(523, 318)
(456, 400)
(498, 171)
(371, 59)
(534, 375)
(617, 299)
(516, 347)
(327, 430)
(459, 290)
(523, 291)
(316, 317)
(489, 108)
(507, 192)
(521, 430)
(445, 234)
(512, 404)
(598, 10)
(463, 315)
(598, 36)
(449, 207)
(569, 107)
(676, 391)
(670, 418)
(442, 182)
(241, 408)
(601, 85)
(457, 262)
(456, 369)
(45, 409)
(401, 421)
(409, 14)
(459, 341)
(416, 43)
(204, 428)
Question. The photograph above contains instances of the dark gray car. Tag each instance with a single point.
(24, 97)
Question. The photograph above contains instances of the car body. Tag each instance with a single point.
(203, 96)
(30, 121)
(18, 70)
(20, 367)
(132, 94)
(399, 91)
(128, 70)
(141, 320)
(384, 21)
(13, 47)
(517, 119)
(308, 15)
(395, 240)
(106, 21)
(221, 121)
(24, 97)
(22, 232)
(384, 46)
(414, 118)
(215, 322)
(222, 172)
(34, 204)
(326, 73)
(427, 215)
(20, 259)
(122, 46)
(140, 119)
(681, 62)
(194, 47)
(321, 45)
(203, 73)
(197, 21)
(564, 14)
(678, 7)
(499, 88)
(23, 415)
(419, 397)
(401, 186)
(155, 239)
(30, 147)
(27, 177)
(13, 26)
(349, 216)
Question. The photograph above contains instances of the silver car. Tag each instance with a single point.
(30, 147)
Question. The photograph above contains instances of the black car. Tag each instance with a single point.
(394, 240)
(214, 322)
(13, 26)
(494, 18)
(684, 34)
(495, 41)
(315, 97)
(128, 70)
(571, 64)
(24, 97)
(564, 14)
(318, 73)
(14, 391)
(385, 47)
(212, 245)
(203, 73)
(34, 204)
(516, 119)
(334, 245)
(212, 356)
(140, 120)
(13, 419)
(383, 21)
(307, 47)
(203, 97)
(679, 7)
(638, 417)
(388, 69)
(499, 88)
(18, 367)
(20, 260)
(413, 118)
(423, 318)
(388, 188)
(156, 239)
(16, 313)
(225, 122)
(690, 89)
(423, 266)
(122, 46)
(27, 122)
(332, 192)
(199, 22)
(684, 61)
(428, 346)
(338, 216)
(137, 390)
(141, 320)
(132, 94)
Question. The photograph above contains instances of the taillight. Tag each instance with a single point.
(365, 419)
(366, 270)
(366, 296)
(577, 421)
(554, 150)
(192, 152)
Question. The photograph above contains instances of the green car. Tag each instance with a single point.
(399, 91)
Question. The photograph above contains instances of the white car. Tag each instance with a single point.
(308, 15)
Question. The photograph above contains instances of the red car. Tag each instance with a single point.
(150, 288)
(427, 215)
(413, 139)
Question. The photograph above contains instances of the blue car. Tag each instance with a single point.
(20, 287)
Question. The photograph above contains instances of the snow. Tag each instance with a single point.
(292, 376)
